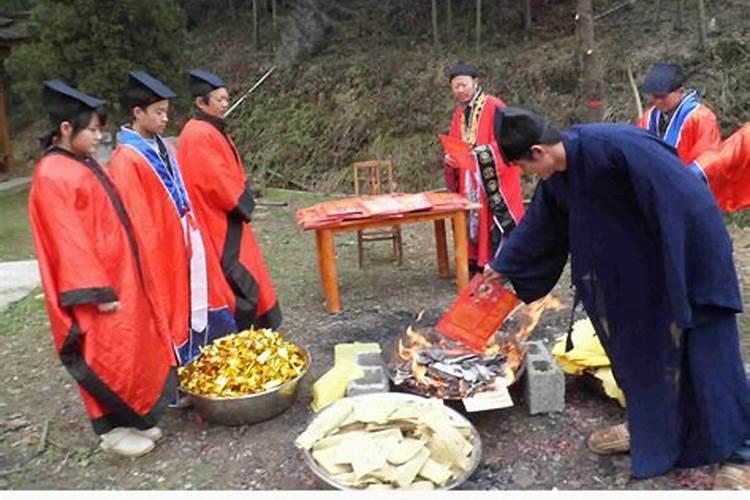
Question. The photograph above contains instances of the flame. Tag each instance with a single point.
(528, 318)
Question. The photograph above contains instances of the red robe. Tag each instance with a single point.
(164, 218)
(88, 255)
(481, 132)
(699, 132)
(223, 203)
(727, 169)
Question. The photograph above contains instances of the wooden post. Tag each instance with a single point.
(461, 250)
(442, 249)
(6, 148)
(329, 280)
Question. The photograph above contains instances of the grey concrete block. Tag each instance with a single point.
(544, 383)
(374, 380)
(369, 359)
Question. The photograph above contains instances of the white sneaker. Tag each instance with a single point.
(153, 433)
(123, 442)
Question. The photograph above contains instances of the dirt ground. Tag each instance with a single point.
(46, 441)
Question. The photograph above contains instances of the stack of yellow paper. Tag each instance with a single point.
(332, 385)
(389, 444)
(588, 356)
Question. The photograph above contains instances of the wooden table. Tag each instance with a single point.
(325, 245)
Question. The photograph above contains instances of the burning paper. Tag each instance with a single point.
(432, 365)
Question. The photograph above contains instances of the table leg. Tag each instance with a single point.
(461, 249)
(327, 267)
(442, 249)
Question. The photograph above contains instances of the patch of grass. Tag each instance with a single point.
(739, 219)
(25, 317)
(15, 232)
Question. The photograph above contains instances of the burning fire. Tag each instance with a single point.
(440, 367)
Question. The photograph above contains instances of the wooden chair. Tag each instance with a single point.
(376, 177)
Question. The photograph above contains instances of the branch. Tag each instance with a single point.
(634, 86)
(614, 9)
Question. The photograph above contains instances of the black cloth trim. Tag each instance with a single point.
(100, 295)
(246, 203)
(242, 282)
(121, 414)
(495, 200)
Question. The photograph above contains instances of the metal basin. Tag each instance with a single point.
(475, 458)
(253, 408)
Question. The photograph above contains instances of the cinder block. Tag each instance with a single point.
(374, 380)
(544, 381)
(369, 359)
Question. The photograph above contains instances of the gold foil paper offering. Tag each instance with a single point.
(382, 444)
(242, 364)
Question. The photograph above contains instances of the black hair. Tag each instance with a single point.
(550, 135)
(79, 122)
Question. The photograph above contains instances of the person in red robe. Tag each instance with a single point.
(105, 319)
(491, 183)
(224, 202)
(677, 116)
(727, 170)
(145, 170)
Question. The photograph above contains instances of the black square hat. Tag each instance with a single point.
(463, 69)
(520, 129)
(143, 89)
(202, 82)
(663, 78)
(64, 102)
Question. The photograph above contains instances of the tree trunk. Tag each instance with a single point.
(435, 38)
(702, 27)
(527, 15)
(448, 16)
(658, 12)
(273, 16)
(591, 85)
(256, 43)
(678, 20)
(478, 38)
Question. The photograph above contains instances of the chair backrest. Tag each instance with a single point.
(373, 177)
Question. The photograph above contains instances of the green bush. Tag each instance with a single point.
(94, 43)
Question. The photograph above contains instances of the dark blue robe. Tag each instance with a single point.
(652, 263)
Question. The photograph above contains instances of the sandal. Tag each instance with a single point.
(152, 433)
(123, 442)
(732, 477)
(615, 439)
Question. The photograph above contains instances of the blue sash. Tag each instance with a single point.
(689, 103)
(173, 183)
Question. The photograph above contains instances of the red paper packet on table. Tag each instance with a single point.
(478, 313)
(461, 151)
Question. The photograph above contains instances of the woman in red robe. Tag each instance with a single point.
(106, 324)
(224, 202)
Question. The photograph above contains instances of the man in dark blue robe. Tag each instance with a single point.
(651, 261)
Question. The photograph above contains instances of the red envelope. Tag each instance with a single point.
(461, 151)
(478, 313)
